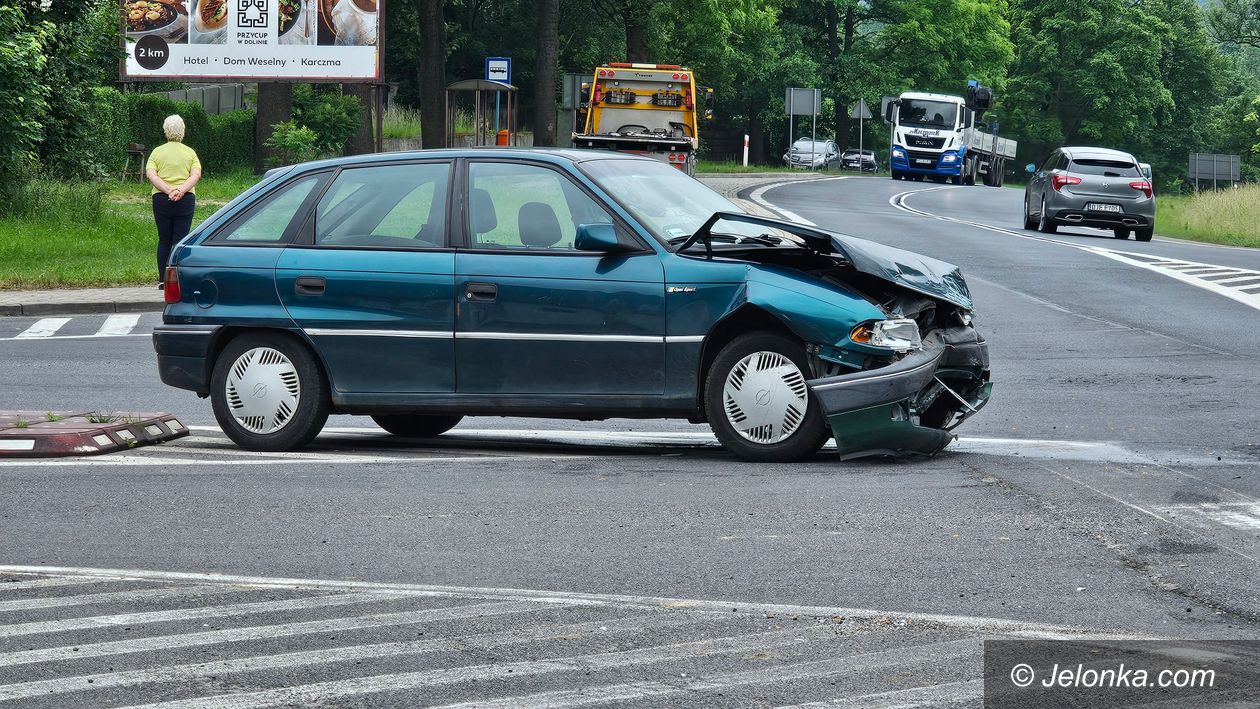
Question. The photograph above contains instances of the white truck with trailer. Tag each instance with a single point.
(940, 137)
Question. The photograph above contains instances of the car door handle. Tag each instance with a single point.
(309, 285)
(481, 292)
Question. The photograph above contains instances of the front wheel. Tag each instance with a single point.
(758, 403)
(416, 425)
(268, 392)
(1029, 222)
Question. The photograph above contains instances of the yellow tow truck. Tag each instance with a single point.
(645, 109)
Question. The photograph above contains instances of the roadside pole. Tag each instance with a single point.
(746, 150)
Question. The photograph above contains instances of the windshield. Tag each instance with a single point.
(928, 114)
(808, 145)
(664, 200)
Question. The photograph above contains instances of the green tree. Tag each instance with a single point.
(1236, 21)
(23, 95)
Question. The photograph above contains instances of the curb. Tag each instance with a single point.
(82, 308)
(30, 434)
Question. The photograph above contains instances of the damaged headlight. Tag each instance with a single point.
(901, 335)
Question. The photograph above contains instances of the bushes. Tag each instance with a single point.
(232, 135)
(291, 143)
(223, 142)
(333, 116)
(23, 98)
(106, 131)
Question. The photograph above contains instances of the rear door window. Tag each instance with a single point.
(1106, 168)
(385, 206)
(271, 220)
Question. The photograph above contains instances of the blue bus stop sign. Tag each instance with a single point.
(499, 69)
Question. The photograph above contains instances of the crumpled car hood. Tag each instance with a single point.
(917, 272)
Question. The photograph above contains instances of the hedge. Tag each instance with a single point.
(232, 134)
(223, 142)
(106, 130)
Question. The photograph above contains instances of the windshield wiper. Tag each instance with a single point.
(764, 239)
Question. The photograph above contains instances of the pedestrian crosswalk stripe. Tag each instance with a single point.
(266, 632)
(144, 594)
(935, 653)
(334, 689)
(236, 609)
(292, 660)
(118, 325)
(46, 327)
(927, 696)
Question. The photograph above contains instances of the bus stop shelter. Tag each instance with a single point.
(492, 107)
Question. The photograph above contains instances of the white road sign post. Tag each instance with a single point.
(803, 102)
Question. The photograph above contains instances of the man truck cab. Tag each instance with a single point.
(940, 136)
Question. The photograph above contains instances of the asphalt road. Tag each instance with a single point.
(1110, 489)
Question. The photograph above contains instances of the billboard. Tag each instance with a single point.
(252, 40)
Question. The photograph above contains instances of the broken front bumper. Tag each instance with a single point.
(909, 407)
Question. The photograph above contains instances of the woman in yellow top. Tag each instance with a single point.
(174, 170)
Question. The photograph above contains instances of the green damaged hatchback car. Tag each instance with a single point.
(419, 288)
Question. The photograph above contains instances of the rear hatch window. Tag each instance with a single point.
(1106, 168)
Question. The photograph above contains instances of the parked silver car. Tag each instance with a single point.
(1094, 187)
(854, 159)
(814, 154)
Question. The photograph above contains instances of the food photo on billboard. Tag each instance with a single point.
(144, 18)
(347, 23)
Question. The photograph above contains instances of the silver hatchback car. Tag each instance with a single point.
(1094, 187)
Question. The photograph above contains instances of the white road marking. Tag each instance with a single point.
(228, 611)
(927, 696)
(46, 583)
(850, 665)
(141, 594)
(158, 459)
(188, 672)
(974, 623)
(121, 324)
(405, 681)
(1175, 268)
(266, 632)
(756, 196)
(1239, 515)
(46, 327)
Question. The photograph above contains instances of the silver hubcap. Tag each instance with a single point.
(765, 397)
(263, 390)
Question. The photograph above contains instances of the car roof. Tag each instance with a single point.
(1088, 153)
(552, 155)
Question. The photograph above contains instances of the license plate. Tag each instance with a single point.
(923, 161)
(1091, 207)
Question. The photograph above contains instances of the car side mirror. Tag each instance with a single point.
(600, 238)
(1030, 168)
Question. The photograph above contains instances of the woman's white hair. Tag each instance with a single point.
(173, 127)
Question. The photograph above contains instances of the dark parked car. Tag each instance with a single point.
(1093, 187)
(419, 288)
(854, 159)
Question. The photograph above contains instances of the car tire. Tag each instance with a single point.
(1144, 234)
(1120, 233)
(1044, 224)
(776, 366)
(1029, 223)
(269, 392)
(955, 179)
(416, 425)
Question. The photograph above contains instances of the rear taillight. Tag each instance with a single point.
(170, 285)
(1060, 180)
(1143, 186)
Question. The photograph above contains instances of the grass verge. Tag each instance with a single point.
(1229, 216)
(93, 235)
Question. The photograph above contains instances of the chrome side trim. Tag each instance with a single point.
(425, 334)
(683, 338)
(558, 337)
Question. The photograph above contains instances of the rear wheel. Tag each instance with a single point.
(1044, 223)
(758, 403)
(1120, 233)
(1145, 234)
(268, 392)
(956, 179)
(416, 425)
